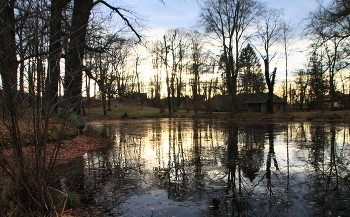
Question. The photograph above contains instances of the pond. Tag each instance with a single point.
(176, 167)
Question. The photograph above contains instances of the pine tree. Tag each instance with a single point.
(317, 81)
(251, 79)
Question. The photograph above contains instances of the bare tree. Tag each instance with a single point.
(29, 163)
(156, 64)
(171, 53)
(196, 64)
(335, 61)
(106, 53)
(28, 169)
(210, 86)
(333, 18)
(75, 55)
(228, 21)
(75, 52)
(269, 30)
(8, 71)
(176, 39)
(165, 52)
(287, 34)
(330, 30)
(119, 59)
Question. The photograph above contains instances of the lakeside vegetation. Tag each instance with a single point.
(138, 112)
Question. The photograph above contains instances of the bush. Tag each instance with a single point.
(4, 199)
(73, 200)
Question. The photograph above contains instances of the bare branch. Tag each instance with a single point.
(117, 10)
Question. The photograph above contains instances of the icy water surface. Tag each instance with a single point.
(175, 167)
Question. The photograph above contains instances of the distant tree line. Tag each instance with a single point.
(245, 34)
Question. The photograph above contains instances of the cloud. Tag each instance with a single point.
(173, 14)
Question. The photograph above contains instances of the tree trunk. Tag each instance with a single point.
(270, 84)
(169, 94)
(167, 75)
(195, 87)
(8, 58)
(8, 71)
(231, 79)
(55, 50)
(87, 86)
(109, 99)
(103, 97)
(75, 55)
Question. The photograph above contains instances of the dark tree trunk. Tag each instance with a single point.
(195, 87)
(270, 81)
(55, 49)
(109, 104)
(8, 71)
(8, 58)
(104, 103)
(231, 80)
(169, 94)
(75, 55)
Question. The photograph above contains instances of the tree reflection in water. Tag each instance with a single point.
(175, 167)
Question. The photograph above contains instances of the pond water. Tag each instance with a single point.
(175, 167)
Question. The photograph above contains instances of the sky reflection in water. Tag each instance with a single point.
(175, 167)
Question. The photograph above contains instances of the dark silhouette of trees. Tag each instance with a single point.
(165, 51)
(102, 70)
(55, 51)
(197, 65)
(75, 55)
(36, 32)
(331, 21)
(269, 33)
(251, 80)
(287, 36)
(177, 42)
(106, 56)
(300, 91)
(317, 81)
(172, 52)
(156, 84)
(329, 28)
(330, 32)
(8, 56)
(75, 51)
(229, 21)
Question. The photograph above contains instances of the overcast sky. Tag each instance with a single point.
(184, 13)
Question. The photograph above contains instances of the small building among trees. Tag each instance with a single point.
(258, 103)
(338, 100)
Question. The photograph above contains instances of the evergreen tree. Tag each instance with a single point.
(251, 79)
(301, 84)
(317, 81)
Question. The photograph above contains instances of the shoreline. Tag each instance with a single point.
(318, 116)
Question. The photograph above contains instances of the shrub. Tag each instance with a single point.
(68, 201)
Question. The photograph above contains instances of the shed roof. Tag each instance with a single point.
(262, 98)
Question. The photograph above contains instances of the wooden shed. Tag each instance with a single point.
(258, 103)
